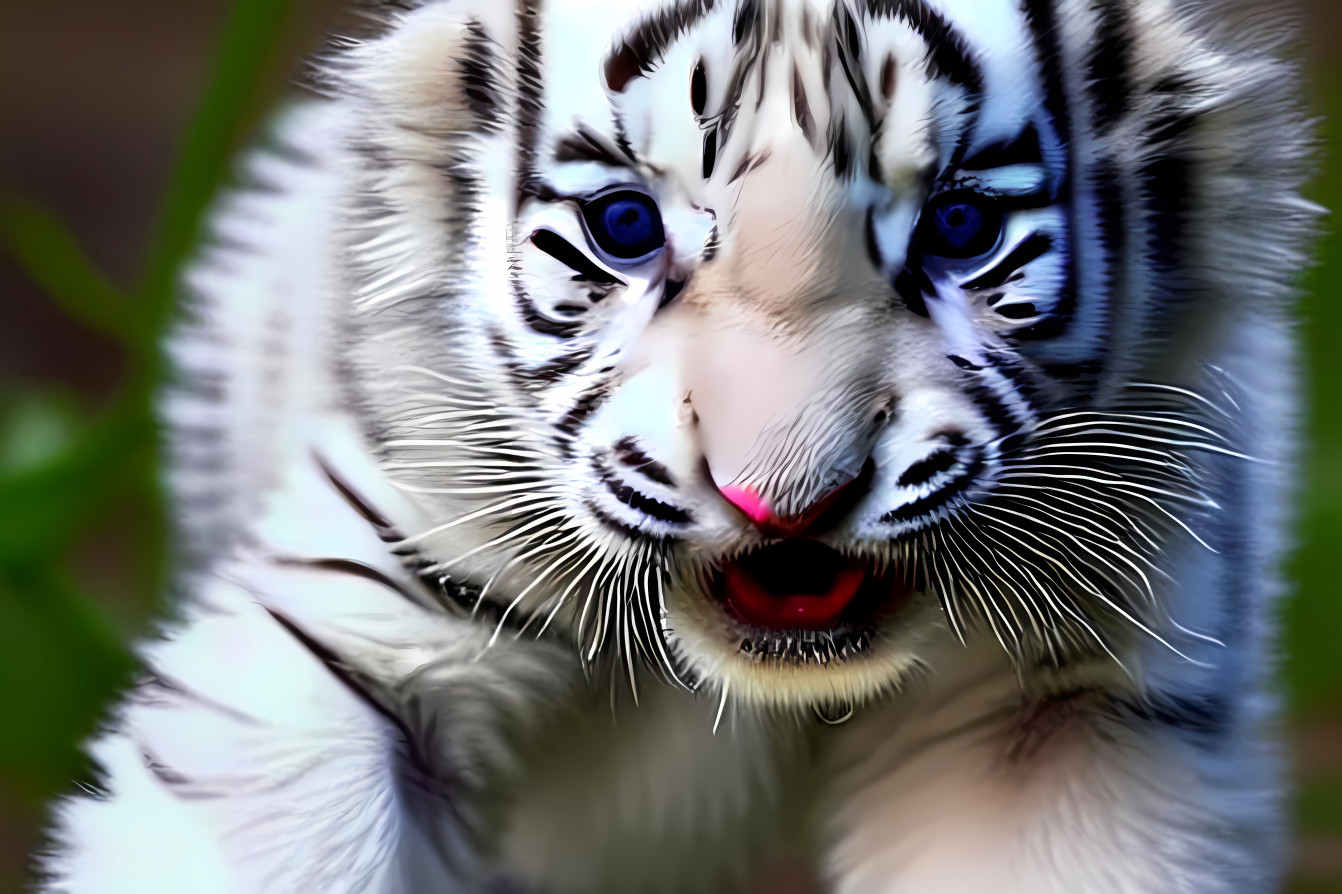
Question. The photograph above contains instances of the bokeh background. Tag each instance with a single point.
(118, 119)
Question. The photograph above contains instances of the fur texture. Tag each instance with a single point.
(451, 468)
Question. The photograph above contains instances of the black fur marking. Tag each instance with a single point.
(354, 569)
(849, 44)
(584, 145)
(642, 50)
(712, 246)
(564, 252)
(747, 20)
(640, 502)
(530, 88)
(926, 505)
(359, 685)
(587, 403)
(670, 290)
(948, 55)
(1042, 19)
(840, 152)
(699, 89)
(536, 321)
(556, 370)
(1028, 251)
(628, 453)
(801, 107)
(873, 247)
(1110, 64)
(1022, 150)
(1169, 199)
(479, 67)
(925, 470)
(1017, 310)
(385, 530)
(912, 285)
(710, 152)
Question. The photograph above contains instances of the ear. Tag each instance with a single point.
(442, 68)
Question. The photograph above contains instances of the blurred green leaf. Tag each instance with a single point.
(49, 253)
(250, 40)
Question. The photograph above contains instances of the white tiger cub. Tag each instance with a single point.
(623, 444)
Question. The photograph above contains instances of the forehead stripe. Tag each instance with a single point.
(948, 57)
(643, 47)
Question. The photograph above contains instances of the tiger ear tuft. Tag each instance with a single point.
(439, 68)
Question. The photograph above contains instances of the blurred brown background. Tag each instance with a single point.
(94, 99)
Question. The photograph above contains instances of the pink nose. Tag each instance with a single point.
(768, 521)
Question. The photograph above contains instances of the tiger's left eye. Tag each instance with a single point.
(960, 225)
(625, 225)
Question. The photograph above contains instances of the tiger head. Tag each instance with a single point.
(778, 342)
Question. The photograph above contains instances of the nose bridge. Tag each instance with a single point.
(783, 421)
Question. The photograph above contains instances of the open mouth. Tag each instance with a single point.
(802, 584)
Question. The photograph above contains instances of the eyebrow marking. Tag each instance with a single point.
(639, 53)
(584, 144)
(1023, 149)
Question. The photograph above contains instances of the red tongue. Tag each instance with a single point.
(808, 611)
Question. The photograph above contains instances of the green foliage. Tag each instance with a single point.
(64, 469)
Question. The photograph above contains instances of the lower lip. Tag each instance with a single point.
(856, 591)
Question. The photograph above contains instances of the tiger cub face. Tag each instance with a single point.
(773, 340)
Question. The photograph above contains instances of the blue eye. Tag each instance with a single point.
(960, 225)
(625, 225)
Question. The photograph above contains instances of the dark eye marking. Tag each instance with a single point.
(1021, 150)
(699, 89)
(584, 145)
(562, 250)
(1029, 250)
(710, 153)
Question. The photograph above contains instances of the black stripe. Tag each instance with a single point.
(1023, 149)
(1111, 222)
(479, 70)
(948, 55)
(583, 144)
(1110, 64)
(530, 90)
(562, 250)
(353, 569)
(587, 403)
(642, 50)
(1169, 192)
(848, 40)
(1028, 251)
(1042, 19)
(386, 531)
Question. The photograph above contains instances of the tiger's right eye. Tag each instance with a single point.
(625, 226)
(960, 225)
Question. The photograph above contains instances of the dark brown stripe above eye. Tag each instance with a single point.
(562, 250)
